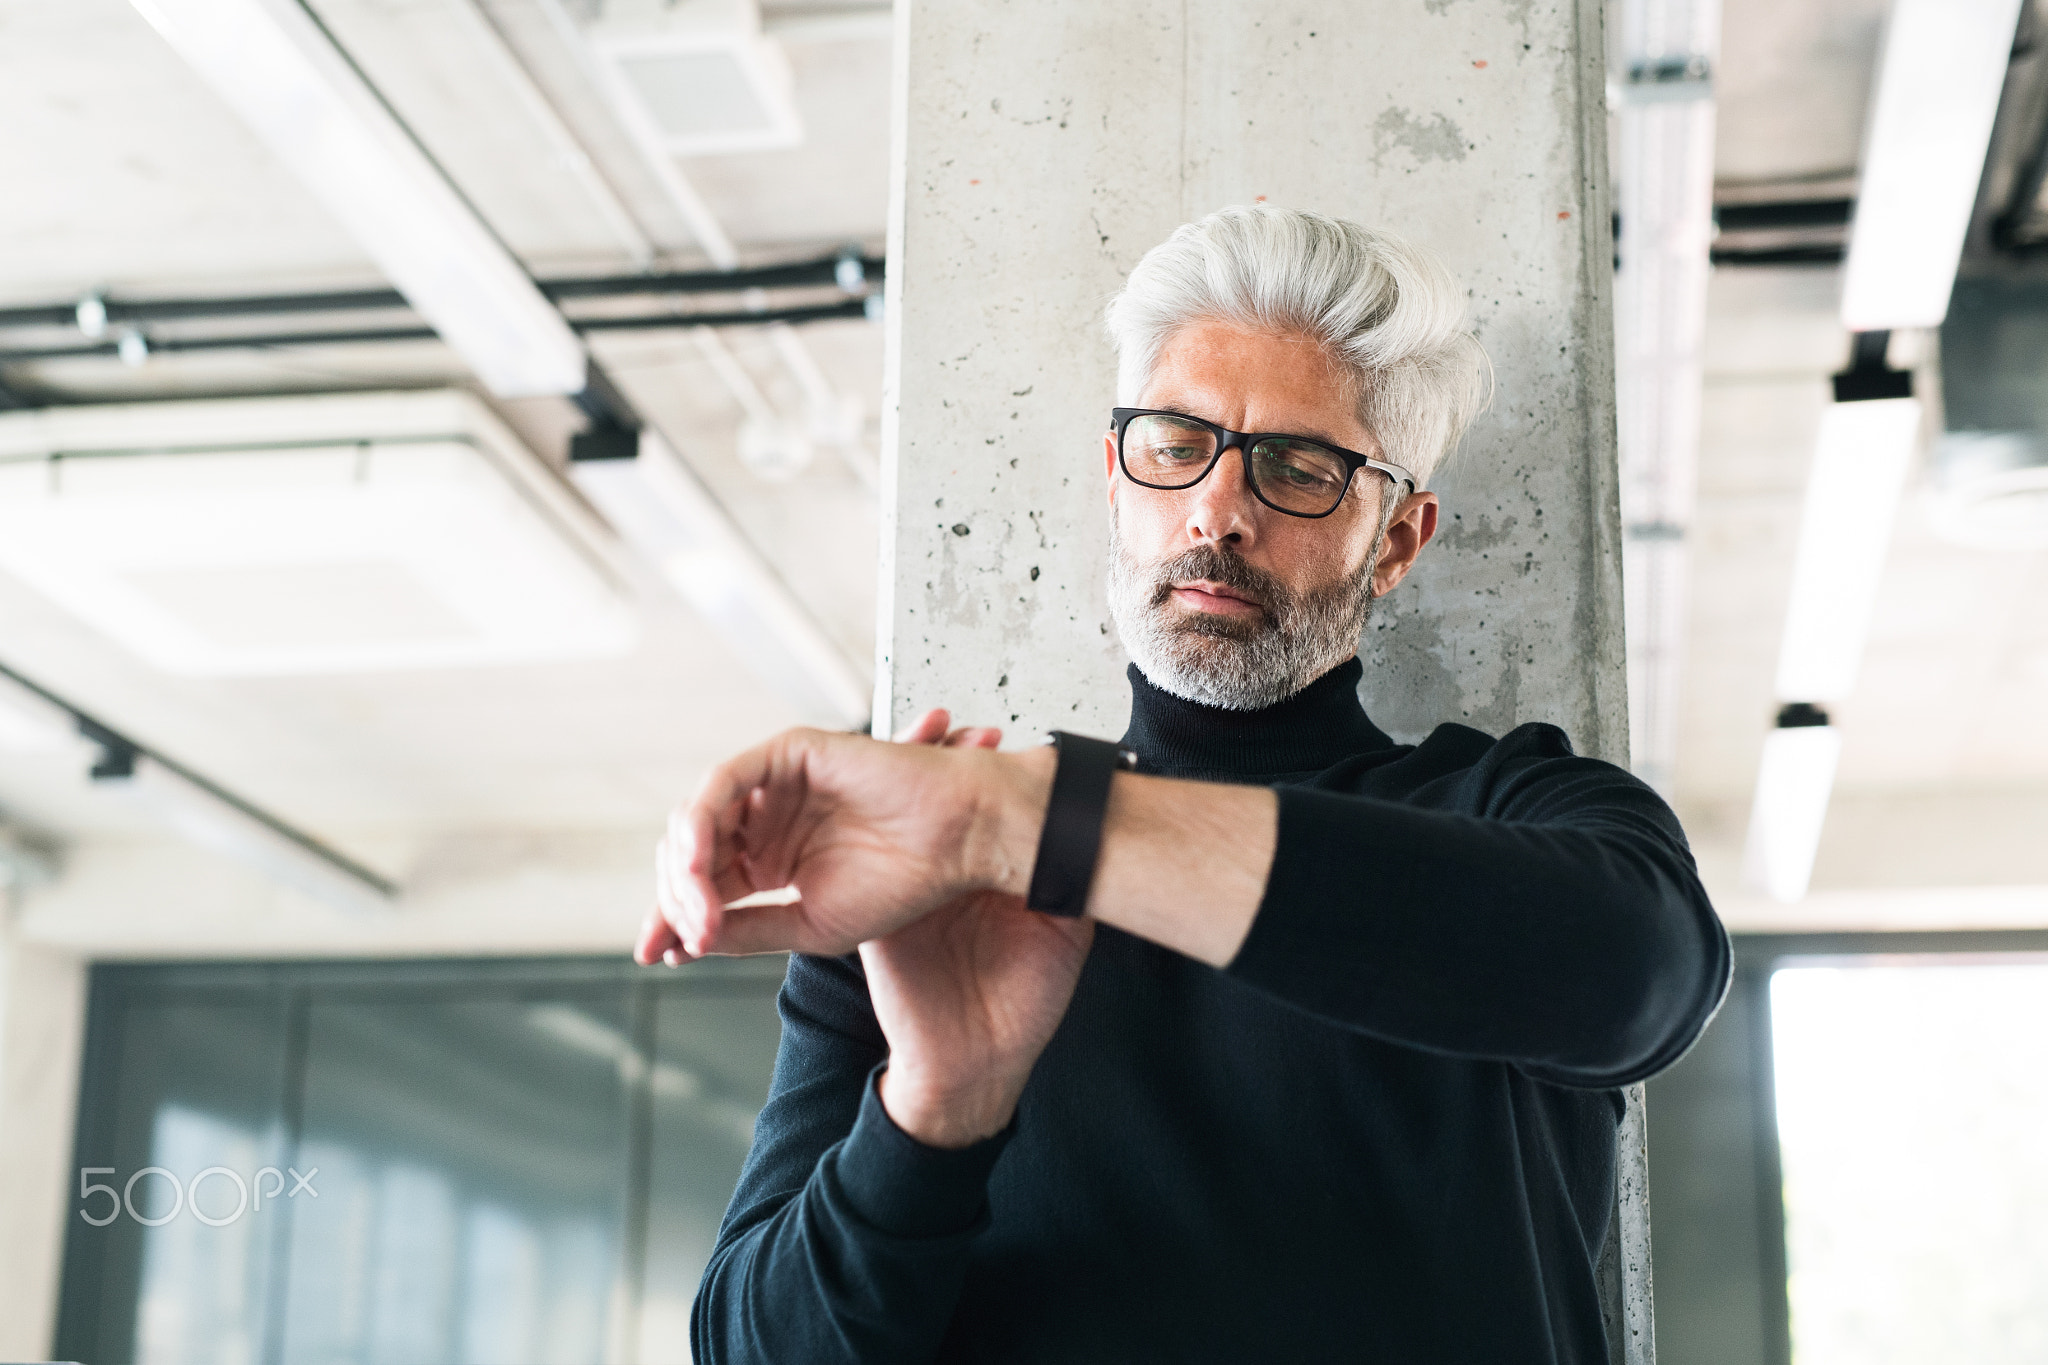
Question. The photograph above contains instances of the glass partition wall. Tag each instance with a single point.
(1851, 1166)
(505, 1163)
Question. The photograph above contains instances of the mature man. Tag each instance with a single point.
(1329, 1067)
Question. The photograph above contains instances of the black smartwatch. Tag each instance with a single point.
(1071, 838)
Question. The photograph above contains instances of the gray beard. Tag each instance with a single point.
(1229, 662)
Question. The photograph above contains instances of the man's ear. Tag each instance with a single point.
(1412, 527)
(1109, 464)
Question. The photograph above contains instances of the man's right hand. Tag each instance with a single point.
(968, 997)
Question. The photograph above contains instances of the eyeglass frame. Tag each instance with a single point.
(1121, 418)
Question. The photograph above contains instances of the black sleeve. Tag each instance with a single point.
(846, 1239)
(1563, 929)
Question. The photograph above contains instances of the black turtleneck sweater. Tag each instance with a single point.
(1385, 1132)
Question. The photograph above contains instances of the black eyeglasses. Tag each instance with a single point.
(1292, 474)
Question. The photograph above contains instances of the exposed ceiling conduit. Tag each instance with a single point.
(816, 272)
(849, 308)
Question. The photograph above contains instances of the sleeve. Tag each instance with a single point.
(846, 1239)
(1564, 930)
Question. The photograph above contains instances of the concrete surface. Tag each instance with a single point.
(1042, 148)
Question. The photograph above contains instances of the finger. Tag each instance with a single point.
(738, 876)
(973, 737)
(682, 903)
(701, 835)
(765, 840)
(781, 928)
(679, 894)
(926, 729)
(657, 939)
(671, 897)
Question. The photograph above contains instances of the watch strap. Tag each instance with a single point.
(1071, 839)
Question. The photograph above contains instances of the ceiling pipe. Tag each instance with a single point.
(817, 272)
(647, 322)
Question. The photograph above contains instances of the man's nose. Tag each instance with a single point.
(1222, 506)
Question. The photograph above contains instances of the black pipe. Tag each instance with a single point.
(1783, 213)
(821, 271)
(1819, 253)
(821, 312)
(849, 308)
(824, 270)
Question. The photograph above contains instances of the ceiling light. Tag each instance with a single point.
(1793, 784)
(216, 820)
(1938, 83)
(1852, 498)
(277, 68)
(326, 534)
(696, 78)
(660, 508)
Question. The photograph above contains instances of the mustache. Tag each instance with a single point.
(1220, 565)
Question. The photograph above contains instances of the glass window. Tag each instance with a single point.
(714, 1053)
(472, 1158)
(1912, 1108)
(379, 1164)
(163, 1266)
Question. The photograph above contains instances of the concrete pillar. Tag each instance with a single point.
(42, 1030)
(1043, 146)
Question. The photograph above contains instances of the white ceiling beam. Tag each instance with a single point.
(569, 152)
(277, 67)
(664, 511)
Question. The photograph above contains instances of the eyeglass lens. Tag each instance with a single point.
(1295, 475)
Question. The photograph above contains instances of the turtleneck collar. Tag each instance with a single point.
(1316, 728)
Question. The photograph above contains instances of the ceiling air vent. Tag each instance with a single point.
(697, 77)
(329, 534)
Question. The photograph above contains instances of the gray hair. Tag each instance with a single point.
(1388, 312)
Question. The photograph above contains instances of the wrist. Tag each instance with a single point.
(1011, 816)
(945, 1116)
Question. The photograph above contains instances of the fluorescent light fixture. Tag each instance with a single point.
(661, 509)
(278, 69)
(1852, 499)
(331, 534)
(1793, 784)
(696, 78)
(212, 819)
(1938, 85)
